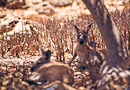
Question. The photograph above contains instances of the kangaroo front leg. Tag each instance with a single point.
(74, 56)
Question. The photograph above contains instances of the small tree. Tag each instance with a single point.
(114, 73)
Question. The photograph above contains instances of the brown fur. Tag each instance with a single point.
(51, 72)
(46, 71)
(87, 53)
(94, 63)
(82, 51)
(81, 48)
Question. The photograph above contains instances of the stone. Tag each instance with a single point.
(60, 3)
(2, 15)
(15, 31)
(8, 23)
(15, 4)
(45, 8)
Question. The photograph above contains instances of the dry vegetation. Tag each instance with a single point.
(58, 35)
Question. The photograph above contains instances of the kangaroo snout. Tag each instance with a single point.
(81, 41)
(82, 38)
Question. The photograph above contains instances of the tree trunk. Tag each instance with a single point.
(113, 71)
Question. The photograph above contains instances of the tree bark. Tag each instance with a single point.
(113, 70)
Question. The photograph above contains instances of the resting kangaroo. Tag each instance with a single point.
(46, 71)
(82, 48)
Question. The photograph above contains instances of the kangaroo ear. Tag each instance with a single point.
(42, 50)
(76, 28)
(88, 28)
(48, 54)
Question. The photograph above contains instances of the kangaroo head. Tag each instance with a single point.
(82, 35)
(44, 59)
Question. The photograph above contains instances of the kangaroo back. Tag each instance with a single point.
(51, 72)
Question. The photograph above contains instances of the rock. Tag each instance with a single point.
(25, 7)
(81, 88)
(26, 14)
(45, 8)
(37, 1)
(58, 86)
(11, 24)
(60, 3)
(2, 15)
(15, 4)
(18, 34)
(8, 23)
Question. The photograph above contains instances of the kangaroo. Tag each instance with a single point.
(46, 71)
(94, 63)
(42, 60)
(81, 48)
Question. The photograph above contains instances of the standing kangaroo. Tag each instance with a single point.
(87, 53)
(46, 71)
(81, 48)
